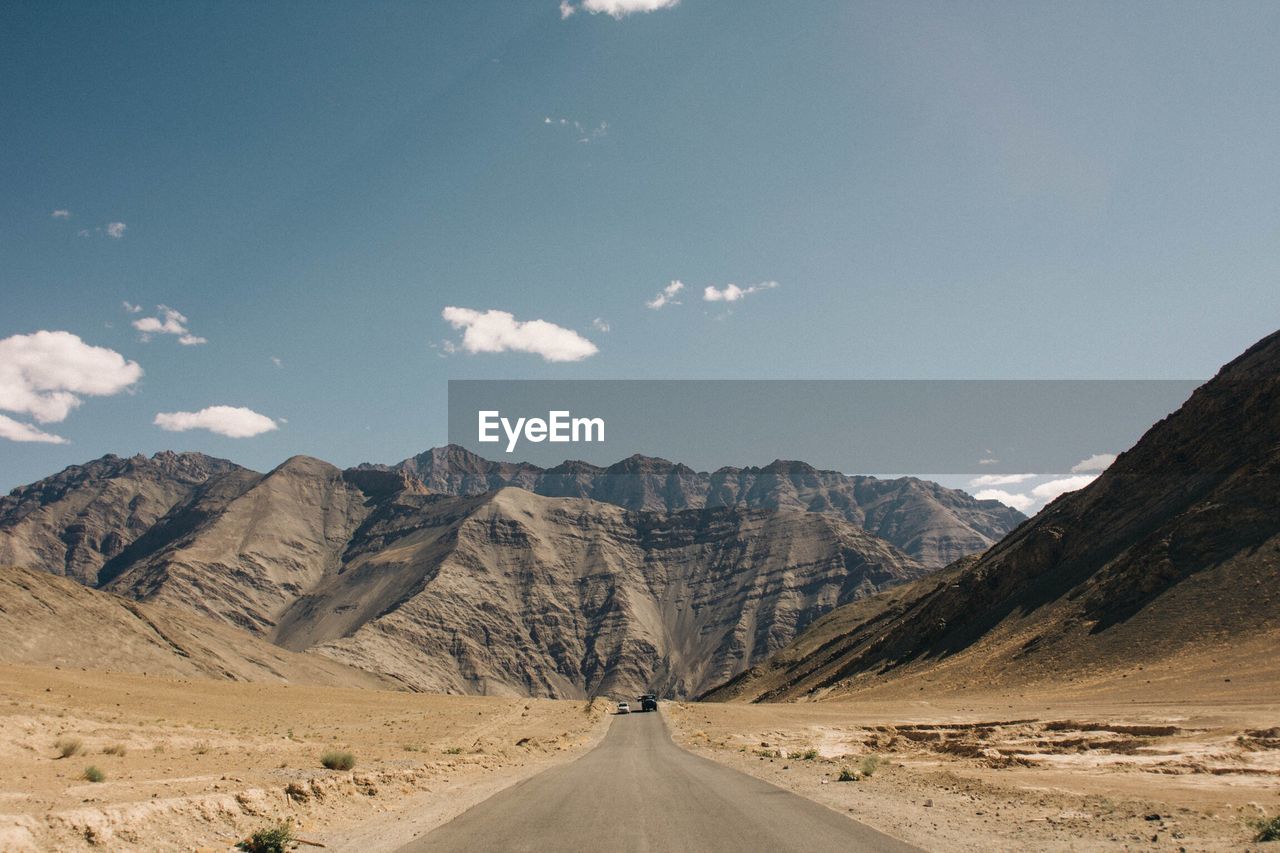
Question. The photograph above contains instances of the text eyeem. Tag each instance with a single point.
(559, 427)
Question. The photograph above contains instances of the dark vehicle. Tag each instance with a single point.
(648, 702)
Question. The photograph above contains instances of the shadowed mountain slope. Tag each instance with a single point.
(1174, 547)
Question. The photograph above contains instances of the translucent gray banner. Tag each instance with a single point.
(853, 426)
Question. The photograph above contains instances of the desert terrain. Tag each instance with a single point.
(191, 763)
(1184, 754)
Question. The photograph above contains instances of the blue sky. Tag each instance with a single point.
(915, 190)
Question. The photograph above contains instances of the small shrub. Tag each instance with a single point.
(93, 774)
(68, 746)
(115, 749)
(807, 755)
(1268, 829)
(335, 760)
(453, 750)
(201, 748)
(272, 839)
(847, 775)
(869, 765)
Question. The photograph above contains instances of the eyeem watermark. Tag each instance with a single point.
(560, 427)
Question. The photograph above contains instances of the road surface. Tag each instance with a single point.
(638, 791)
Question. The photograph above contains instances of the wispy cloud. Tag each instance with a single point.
(1050, 490)
(733, 293)
(61, 213)
(1096, 462)
(18, 431)
(115, 230)
(1020, 502)
(600, 324)
(169, 322)
(130, 307)
(276, 361)
(667, 296)
(1000, 479)
(499, 331)
(45, 374)
(231, 421)
(583, 132)
(616, 9)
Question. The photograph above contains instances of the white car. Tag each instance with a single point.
(624, 708)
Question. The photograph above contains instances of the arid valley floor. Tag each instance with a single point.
(1180, 756)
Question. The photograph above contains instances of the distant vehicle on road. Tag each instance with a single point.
(624, 708)
(648, 702)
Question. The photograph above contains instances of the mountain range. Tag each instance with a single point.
(440, 573)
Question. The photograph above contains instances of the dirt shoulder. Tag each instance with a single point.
(192, 764)
(981, 773)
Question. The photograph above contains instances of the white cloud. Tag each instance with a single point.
(45, 374)
(231, 421)
(1050, 490)
(584, 133)
(667, 296)
(115, 230)
(174, 323)
(1000, 479)
(1096, 462)
(500, 331)
(733, 293)
(988, 460)
(276, 361)
(18, 431)
(1019, 502)
(131, 308)
(617, 9)
(600, 324)
(60, 213)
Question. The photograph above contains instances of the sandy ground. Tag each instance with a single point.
(195, 764)
(982, 773)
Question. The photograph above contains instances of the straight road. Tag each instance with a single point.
(638, 791)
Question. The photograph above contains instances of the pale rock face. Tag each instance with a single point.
(574, 597)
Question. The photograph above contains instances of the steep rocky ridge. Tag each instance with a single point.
(243, 549)
(1175, 546)
(512, 592)
(75, 521)
(933, 524)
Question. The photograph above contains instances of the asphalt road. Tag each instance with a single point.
(638, 791)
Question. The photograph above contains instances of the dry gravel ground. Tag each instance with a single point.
(1053, 772)
(206, 762)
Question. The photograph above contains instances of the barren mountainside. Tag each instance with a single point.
(502, 592)
(52, 621)
(1175, 547)
(933, 524)
(73, 522)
